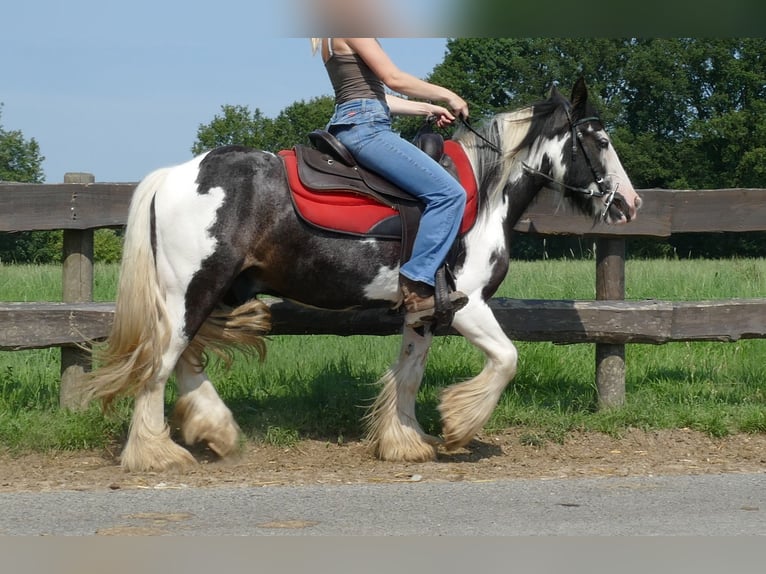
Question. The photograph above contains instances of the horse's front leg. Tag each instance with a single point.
(466, 407)
(392, 429)
(200, 414)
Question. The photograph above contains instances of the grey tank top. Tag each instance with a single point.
(352, 78)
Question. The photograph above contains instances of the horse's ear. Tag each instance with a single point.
(579, 93)
(554, 91)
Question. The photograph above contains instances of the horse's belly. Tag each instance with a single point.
(329, 274)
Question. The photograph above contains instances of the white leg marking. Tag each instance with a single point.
(200, 413)
(466, 407)
(149, 446)
(183, 220)
(392, 428)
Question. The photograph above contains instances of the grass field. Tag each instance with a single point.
(317, 386)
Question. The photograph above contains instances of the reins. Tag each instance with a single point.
(471, 129)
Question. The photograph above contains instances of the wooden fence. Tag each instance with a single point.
(79, 205)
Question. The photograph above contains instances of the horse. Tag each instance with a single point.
(202, 233)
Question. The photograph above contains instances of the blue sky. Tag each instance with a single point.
(119, 89)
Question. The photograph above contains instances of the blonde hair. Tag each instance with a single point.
(316, 43)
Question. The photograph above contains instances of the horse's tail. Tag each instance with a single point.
(141, 330)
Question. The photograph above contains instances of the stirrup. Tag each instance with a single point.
(433, 317)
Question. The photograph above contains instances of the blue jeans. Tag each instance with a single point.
(364, 127)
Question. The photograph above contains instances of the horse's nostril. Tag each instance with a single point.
(638, 203)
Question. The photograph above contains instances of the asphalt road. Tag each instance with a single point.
(729, 504)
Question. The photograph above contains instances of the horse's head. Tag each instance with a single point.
(590, 171)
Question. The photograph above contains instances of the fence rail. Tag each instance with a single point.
(84, 205)
(41, 325)
(80, 205)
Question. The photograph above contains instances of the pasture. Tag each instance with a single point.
(317, 386)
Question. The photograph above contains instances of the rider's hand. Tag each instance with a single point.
(458, 106)
(442, 116)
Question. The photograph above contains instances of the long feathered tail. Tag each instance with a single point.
(141, 330)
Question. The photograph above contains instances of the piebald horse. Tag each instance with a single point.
(202, 233)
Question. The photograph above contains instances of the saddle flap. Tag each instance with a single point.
(323, 169)
(322, 172)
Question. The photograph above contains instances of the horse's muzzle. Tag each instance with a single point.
(623, 208)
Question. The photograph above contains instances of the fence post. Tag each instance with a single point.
(77, 287)
(610, 285)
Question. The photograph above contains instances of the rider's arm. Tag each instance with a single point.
(398, 81)
(403, 107)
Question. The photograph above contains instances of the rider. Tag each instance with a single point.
(359, 71)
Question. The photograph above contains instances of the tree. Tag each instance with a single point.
(238, 125)
(498, 74)
(21, 161)
(293, 123)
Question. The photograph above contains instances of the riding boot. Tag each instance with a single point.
(420, 302)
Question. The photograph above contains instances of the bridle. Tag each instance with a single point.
(598, 177)
(577, 137)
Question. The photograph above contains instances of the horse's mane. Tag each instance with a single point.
(511, 132)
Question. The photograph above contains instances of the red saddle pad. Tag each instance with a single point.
(348, 212)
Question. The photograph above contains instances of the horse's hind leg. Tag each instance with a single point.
(466, 407)
(392, 428)
(149, 446)
(200, 414)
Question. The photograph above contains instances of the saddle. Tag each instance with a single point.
(332, 192)
(328, 165)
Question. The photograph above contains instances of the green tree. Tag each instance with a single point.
(21, 161)
(293, 123)
(497, 74)
(236, 125)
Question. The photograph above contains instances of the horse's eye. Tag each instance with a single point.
(603, 144)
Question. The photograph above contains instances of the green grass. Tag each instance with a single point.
(318, 386)
(43, 282)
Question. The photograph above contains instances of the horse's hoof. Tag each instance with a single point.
(455, 436)
(220, 432)
(225, 446)
(159, 458)
(420, 451)
(454, 443)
